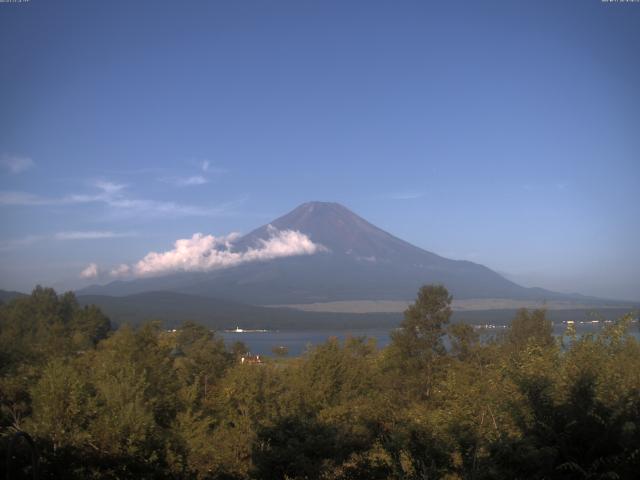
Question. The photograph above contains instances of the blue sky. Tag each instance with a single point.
(502, 132)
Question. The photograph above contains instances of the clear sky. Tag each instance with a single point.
(503, 132)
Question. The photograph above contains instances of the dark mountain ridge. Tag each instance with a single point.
(8, 295)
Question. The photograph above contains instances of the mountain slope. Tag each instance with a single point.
(360, 261)
(8, 295)
(175, 308)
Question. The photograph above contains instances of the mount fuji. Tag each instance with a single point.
(356, 261)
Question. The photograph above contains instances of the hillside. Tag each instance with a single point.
(174, 308)
(8, 295)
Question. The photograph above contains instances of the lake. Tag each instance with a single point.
(297, 341)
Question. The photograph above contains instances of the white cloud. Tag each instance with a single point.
(207, 167)
(195, 180)
(113, 196)
(185, 181)
(23, 198)
(30, 200)
(89, 235)
(152, 208)
(109, 187)
(410, 195)
(26, 241)
(90, 272)
(207, 171)
(121, 270)
(16, 243)
(15, 163)
(202, 253)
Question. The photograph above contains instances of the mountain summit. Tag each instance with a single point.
(359, 261)
(340, 230)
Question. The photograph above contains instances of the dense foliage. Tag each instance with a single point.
(147, 403)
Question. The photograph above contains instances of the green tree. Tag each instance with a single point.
(204, 358)
(62, 404)
(297, 447)
(465, 341)
(530, 328)
(417, 348)
(89, 325)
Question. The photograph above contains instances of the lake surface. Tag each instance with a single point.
(297, 341)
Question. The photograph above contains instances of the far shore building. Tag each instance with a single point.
(250, 359)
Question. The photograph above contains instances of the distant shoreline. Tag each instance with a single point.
(471, 304)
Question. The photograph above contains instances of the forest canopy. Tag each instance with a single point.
(145, 402)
